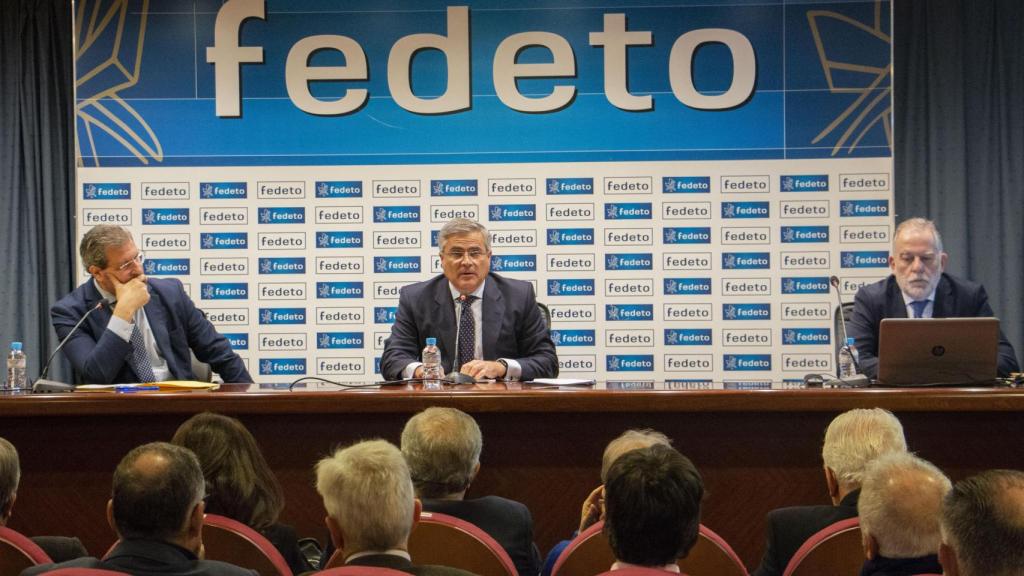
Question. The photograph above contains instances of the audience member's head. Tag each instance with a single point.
(900, 506)
(369, 498)
(853, 440)
(630, 440)
(158, 495)
(652, 506)
(10, 476)
(983, 526)
(240, 484)
(442, 447)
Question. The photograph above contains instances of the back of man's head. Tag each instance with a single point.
(900, 504)
(367, 491)
(652, 506)
(442, 447)
(156, 487)
(630, 440)
(10, 476)
(983, 525)
(855, 438)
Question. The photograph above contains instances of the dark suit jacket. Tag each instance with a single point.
(513, 327)
(283, 537)
(954, 298)
(400, 563)
(149, 558)
(101, 357)
(507, 521)
(789, 528)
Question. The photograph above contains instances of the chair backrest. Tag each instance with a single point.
(449, 541)
(231, 541)
(85, 572)
(545, 313)
(589, 553)
(17, 552)
(360, 571)
(837, 320)
(835, 549)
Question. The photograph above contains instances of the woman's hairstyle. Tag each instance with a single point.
(239, 483)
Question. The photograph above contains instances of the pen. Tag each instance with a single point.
(130, 389)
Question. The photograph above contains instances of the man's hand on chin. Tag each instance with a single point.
(131, 296)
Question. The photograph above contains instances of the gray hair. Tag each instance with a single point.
(442, 447)
(10, 473)
(857, 437)
(93, 248)
(367, 490)
(983, 521)
(460, 227)
(900, 504)
(918, 224)
(627, 441)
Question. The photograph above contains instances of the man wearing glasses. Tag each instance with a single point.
(918, 288)
(144, 328)
(486, 326)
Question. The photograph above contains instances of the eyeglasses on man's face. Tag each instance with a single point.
(459, 254)
(138, 259)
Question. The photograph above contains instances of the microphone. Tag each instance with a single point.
(42, 385)
(859, 380)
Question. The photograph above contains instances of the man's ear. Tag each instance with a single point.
(870, 545)
(337, 537)
(476, 470)
(947, 557)
(417, 509)
(110, 518)
(195, 521)
(833, 484)
(8, 510)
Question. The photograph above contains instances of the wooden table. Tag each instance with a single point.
(757, 450)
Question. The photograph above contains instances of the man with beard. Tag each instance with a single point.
(918, 288)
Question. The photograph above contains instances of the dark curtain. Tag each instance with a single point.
(959, 142)
(36, 173)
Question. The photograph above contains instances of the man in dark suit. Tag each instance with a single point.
(145, 328)
(442, 447)
(486, 326)
(371, 508)
(852, 441)
(156, 509)
(918, 288)
(58, 548)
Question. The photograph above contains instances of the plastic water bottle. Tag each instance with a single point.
(16, 368)
(848, 360)
(432, 371)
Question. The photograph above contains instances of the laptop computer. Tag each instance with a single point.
(938, 351)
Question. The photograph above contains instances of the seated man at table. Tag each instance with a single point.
(983, 525)
(156, 508)
(371, 508)
(918, 288)
(852, 441)
(486, 325)
(900, 507)
(442, 447)
(145, 327)
(58, 548)
(652, 508)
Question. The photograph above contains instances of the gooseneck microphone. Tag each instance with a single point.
(859, 380)
(42, 384)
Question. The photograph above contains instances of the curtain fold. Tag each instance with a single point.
(36, 173)
(959, 142)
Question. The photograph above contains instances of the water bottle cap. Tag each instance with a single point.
(431, 341)
(15, 345)
(849, 341)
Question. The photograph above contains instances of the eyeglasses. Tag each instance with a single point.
(473, 253)
(139, 259)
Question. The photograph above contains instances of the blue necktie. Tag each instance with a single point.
(919, 306)
(467, 332)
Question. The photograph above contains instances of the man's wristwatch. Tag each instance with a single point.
(505, 364)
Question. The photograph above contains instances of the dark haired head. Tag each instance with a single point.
(156, 488)
(240, 484)
(983, 521)
(652, 506)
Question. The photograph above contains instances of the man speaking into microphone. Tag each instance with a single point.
(918, 288)
(146, 326)
(486, 326)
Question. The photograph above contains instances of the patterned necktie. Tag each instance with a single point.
(467, 332)
(919, 306)
(140, 357)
